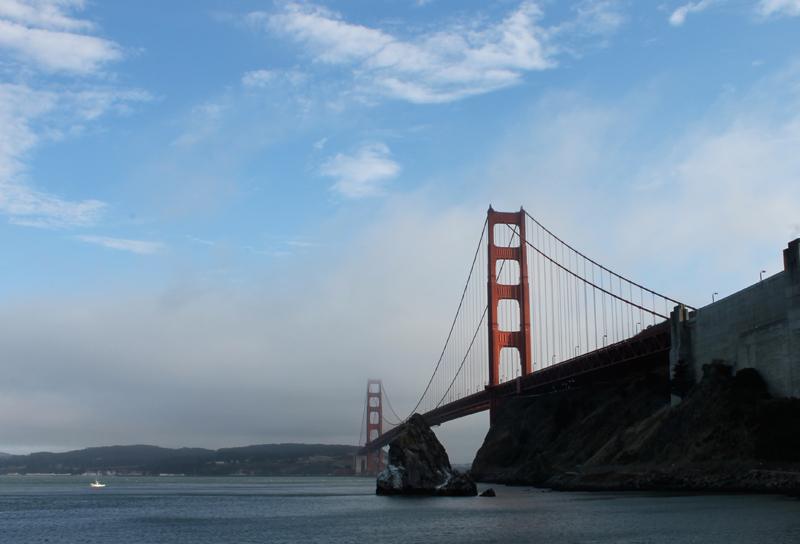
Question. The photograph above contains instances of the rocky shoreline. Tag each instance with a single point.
(761, 481)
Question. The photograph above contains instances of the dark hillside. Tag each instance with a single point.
(265, 459)
(102, 457)
(282, 451)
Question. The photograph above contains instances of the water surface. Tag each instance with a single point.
(338, 510)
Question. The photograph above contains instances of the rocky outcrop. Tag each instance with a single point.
(726, 434)
(418, 465)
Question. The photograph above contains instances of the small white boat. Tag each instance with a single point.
(97, 484)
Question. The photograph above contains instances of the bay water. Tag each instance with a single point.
(38, 509)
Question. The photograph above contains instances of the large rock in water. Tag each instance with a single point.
(418, 465)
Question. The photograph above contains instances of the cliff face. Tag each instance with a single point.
(725, 434)
(535, 437)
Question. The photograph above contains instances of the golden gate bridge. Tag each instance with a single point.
(547, 318)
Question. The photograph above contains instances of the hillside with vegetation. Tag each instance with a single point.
(259, 460)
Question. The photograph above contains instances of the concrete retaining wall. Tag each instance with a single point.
(757, 327)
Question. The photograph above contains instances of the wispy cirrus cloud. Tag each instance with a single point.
(25, 205)
(678, 16)
(763, 8)
(20, 107)
(441, 66)
(31, 208)
(362, 174)
(258, 78)
(136, 246)
(779, 7)
(264, 78)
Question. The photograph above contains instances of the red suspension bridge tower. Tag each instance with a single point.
(515, 290)
(374, 424)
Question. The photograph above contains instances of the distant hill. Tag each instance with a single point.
(260, 460)
(4, 455)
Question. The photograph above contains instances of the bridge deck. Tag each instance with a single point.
(560, 376)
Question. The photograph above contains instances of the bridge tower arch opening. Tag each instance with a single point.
(508, 281)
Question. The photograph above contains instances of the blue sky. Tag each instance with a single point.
(220, 218)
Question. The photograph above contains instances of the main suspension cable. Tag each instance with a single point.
(386, 397)
(567, 270)
(598, 264)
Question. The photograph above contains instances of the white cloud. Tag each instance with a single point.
(90, 104)
(678, 17)
(787, 7)
(32, 208)
(442, 66)
(328, 38)
(40, 32)
(594, 17)
(18, 103)
(765, 8)
(361, 175)
(136, 246)
(258, 78)
(48, 14)
(261, 79)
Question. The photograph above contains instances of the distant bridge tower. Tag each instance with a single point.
(374, 424)
(499, 339)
